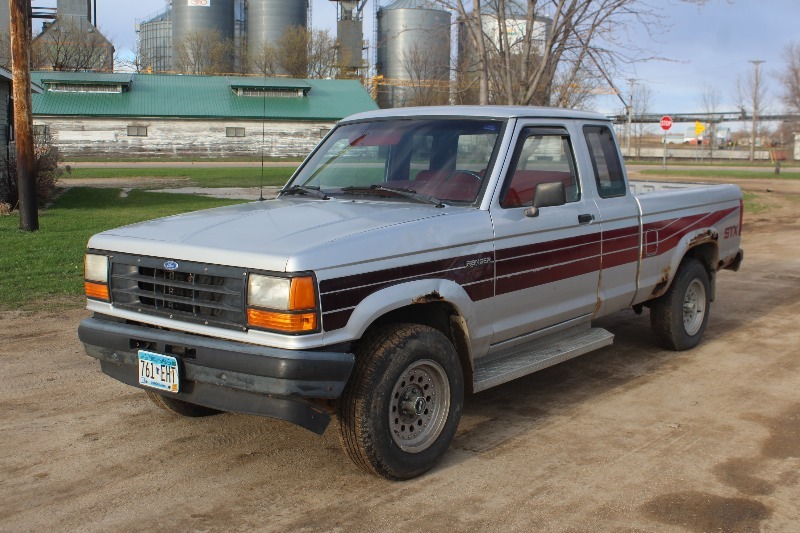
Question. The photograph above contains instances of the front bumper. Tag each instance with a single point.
(226, 375)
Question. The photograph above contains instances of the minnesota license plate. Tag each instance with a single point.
(158, 371)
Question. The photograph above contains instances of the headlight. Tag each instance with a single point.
(282, 304)
(95, 276)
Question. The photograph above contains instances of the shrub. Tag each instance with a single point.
(46, 170)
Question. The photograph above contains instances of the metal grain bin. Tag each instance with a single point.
(155, 42)
(413, 54)
(266, 22)
(190, 16)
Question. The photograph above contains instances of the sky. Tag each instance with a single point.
(708, 45)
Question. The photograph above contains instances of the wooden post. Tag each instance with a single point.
(23, 116)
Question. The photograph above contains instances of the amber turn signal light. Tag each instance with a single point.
(98, 291)
(285, 322)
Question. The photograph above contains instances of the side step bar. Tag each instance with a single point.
(544, 352)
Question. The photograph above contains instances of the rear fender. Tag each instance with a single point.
(701, 243)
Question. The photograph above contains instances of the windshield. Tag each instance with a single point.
(444, 159)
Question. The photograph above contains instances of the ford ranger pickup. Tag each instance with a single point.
(415, 256)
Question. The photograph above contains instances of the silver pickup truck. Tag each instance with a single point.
(416, 255)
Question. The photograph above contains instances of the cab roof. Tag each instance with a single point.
(474, 111)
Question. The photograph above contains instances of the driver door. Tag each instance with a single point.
(548, 265)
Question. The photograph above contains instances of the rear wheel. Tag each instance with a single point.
(179, 407)
(403, 403)
(679, 317)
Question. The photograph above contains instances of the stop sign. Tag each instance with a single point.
(666, 122)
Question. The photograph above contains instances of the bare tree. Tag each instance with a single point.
(299, 53)
(710, 101)
(790, 77)
(575, 88)
(293, 51)
(204, 52)
(138, 62)
(641, 101)
(5, 50)
(518, 55)
(265, 61)
(321, 54)
(429, 83)
(72, 45)
(752, 93)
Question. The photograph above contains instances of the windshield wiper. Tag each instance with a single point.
(304, 190)
(406, 193)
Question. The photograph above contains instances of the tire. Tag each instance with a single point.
(403, 402)
(179, 407)
(679, 317)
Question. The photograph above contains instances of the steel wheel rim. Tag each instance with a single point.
(694, 307)
(419, 406)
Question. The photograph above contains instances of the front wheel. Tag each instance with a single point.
(679, 317)
(403, 403)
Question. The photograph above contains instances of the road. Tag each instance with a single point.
(630, 437)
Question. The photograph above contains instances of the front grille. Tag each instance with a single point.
(194, 292)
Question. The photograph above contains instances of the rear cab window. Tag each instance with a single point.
(606, 162)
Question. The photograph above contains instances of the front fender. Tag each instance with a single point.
(394, 297)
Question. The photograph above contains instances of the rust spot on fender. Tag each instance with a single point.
(428, 298)
(663, 281)
(701, 238)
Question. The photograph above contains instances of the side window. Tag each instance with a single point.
(605, 161)
(541, 156)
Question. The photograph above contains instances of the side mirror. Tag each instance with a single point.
(548, 194)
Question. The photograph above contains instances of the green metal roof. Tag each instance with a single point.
(186, 96)
(95, 78)
(267, 83)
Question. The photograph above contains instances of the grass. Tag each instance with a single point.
(201, 177)
(723, 173)
(46, 267)
(753, 203)
(710, 163)
(182, 159)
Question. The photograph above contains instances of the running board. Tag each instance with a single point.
(527, 358)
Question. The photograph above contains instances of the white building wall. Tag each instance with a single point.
(797, 146)
(108, 137)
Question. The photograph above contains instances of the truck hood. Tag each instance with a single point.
(261, 235)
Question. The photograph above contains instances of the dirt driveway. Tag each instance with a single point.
(629, 438)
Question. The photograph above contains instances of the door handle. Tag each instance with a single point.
(587, 218)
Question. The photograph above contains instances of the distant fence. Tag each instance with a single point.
(704, 154)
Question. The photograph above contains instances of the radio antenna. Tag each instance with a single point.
(263, 138)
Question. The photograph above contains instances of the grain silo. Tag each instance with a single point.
(155, 42)
(199, 17)
(413, 54)
(519, 38)
(267, 20)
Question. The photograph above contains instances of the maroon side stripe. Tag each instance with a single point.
(517, 268)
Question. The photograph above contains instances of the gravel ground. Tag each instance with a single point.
(628, 438)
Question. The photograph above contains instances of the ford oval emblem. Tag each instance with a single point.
(170, 265)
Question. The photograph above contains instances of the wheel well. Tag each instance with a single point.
(439, 315)
(707, 254)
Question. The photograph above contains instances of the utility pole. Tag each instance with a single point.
(23, 117)
(756, 63)
(631, 83)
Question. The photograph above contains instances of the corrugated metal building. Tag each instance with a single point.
(125, 114)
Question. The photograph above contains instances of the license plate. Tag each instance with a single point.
(158, 371)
